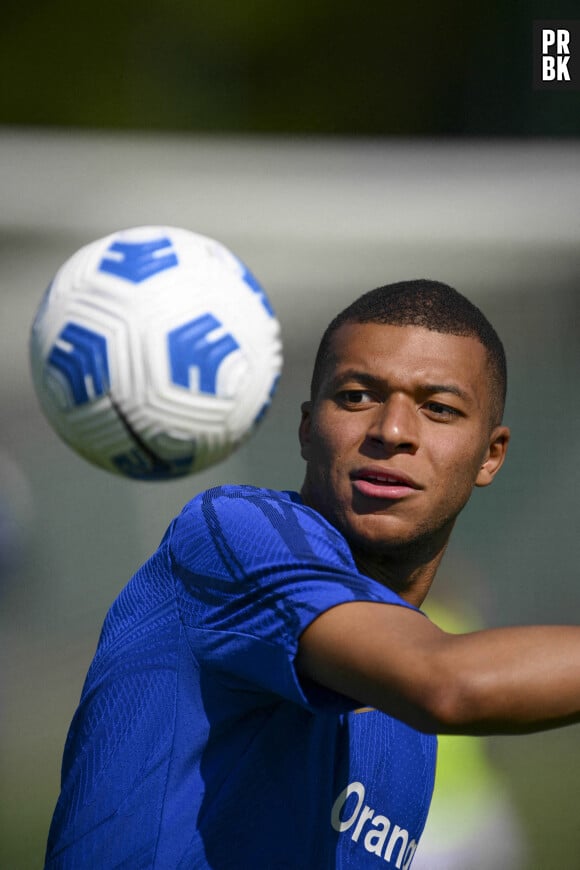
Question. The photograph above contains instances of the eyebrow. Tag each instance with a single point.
(446, 388)
(430, 389)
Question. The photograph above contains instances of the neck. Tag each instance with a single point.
(408, 570)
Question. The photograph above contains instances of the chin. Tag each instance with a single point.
(389, 535)
(379, 537)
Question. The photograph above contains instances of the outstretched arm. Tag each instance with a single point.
(497, 681)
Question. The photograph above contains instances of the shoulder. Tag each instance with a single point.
(257, 525)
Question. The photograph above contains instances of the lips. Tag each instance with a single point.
(378, 482)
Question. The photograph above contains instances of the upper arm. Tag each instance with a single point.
(382, 655)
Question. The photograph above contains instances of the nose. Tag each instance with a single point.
(395, 425)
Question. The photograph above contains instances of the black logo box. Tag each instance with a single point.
(573, 63)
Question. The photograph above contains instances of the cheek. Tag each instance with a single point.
(329, 442)
(319, 453)
(458, 465)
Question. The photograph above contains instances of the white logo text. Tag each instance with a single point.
(381, 838)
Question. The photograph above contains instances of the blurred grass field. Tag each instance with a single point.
(544, 776)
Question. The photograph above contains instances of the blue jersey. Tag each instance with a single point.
(196, 745)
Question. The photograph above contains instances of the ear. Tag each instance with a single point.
(494, 456)
(304, 429)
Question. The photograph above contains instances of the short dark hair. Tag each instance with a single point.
(431, 305)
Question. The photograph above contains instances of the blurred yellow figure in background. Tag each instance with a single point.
(472, 823)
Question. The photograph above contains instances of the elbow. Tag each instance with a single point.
(449, 705)
(446, 711)
(468, 704)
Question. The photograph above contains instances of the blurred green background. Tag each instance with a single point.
(317, 67)
(334, 147)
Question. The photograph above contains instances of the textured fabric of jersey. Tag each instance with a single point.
(195, 745)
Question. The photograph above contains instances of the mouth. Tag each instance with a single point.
(376, 482)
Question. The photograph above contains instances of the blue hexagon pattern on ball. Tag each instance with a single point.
(155, 352)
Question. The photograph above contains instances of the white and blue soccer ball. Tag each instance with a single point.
(155, 352)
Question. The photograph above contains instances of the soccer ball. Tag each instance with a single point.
(155, 352)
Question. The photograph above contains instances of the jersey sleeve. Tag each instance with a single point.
(253, 569)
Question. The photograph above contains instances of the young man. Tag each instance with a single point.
(265, 691)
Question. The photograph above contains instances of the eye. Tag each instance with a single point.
(440, 411)
(355, 397)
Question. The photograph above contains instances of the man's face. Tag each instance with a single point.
(399, 434)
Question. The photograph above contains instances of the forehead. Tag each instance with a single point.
(412, 353)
